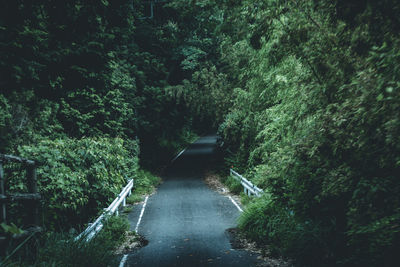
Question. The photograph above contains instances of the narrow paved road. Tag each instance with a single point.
(185, 222)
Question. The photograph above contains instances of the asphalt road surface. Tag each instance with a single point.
(185, 222)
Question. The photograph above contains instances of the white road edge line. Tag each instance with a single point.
(123, 260)
(141, 214)
(234, 203)
(177, 156)
(180, 153)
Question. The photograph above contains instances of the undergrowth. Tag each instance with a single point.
(145, 183)
(61, 249)
(233, 185)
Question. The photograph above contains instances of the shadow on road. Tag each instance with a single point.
(185, 222)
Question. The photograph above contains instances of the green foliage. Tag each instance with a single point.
(115, 229)
(234, 185)
(64, 250)
(78, 177)
(245, 199)
(11, 229)
(60, 250)
(305, 93)
(101, 80)
(145, 183)
(205, 94)
(315, 122)
(277, 228)
(5, 120)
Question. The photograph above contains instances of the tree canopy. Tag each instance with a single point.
(305, 94)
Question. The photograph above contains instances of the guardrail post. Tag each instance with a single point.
(124, 202)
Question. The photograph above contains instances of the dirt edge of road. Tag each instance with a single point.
(237, 240)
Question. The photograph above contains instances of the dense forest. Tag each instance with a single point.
(305, 95)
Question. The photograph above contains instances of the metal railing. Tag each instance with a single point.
(249, 187)
(152, 3)
(29, 199)
(97, 225)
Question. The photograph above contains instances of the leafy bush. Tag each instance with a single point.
(115, 229)
(278, 229)
(234, 185)
(77, 178)
(315, 122)
(145, 183)
(5, 120)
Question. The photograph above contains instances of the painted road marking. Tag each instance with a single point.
(125, 257)
(123, 260)
(177, 156)
(234, 202)
(141, 214)
(180, 153)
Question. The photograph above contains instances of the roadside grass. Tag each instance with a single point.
(127, 209)
(61, 249)
(145, 183)
(233, 185)
(245, 199)
(236, 188)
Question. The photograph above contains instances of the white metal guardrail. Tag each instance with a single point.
(97, 225)
(249, 187)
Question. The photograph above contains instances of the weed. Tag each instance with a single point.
(145, 183)
(234, 185)
(245, 199)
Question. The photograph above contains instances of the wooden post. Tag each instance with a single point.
(32, 188)
(2, 191)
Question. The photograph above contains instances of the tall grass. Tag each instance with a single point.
(61, 249)
(279, 231)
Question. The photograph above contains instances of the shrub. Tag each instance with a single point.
(64, 250)
(281, 233)
(234, 185)
(316, 123)
(115, 229)
(77, 178)
(144, 184)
